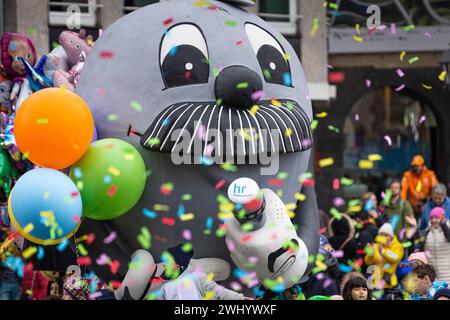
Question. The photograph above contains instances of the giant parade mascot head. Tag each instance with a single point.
(201, 71)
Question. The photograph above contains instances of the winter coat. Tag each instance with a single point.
(437, 243)
(386, 259)
(427, 210)
(401, 209)
(342, 234)
(418, 188)
(36, 286)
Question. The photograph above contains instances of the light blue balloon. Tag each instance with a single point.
(50, 201)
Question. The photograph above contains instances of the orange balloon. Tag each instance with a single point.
(54, 128)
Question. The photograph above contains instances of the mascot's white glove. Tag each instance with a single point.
(138, 281)
(273, 242)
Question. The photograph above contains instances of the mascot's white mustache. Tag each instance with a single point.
(280, 128)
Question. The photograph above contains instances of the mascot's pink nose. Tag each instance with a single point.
(238, 87)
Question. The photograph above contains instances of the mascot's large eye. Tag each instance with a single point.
(184, 56)
(270, 54)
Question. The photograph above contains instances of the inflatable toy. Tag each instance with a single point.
(222, 96)
(111, 177)
(45, 206)
(54, 128)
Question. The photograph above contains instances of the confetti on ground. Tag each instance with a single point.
(443, 75)
(409, 27)
(400, 88)
(427, 86)
(326, 162)
(322, 115)
(400, 73)
(357, 39)
(402, 55)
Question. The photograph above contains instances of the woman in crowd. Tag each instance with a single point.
(437, 243)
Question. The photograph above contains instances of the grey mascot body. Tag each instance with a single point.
(178, 71)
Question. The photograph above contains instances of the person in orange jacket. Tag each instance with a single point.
(417, 184)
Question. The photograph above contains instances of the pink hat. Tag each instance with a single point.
(437, 212)
(421, 256)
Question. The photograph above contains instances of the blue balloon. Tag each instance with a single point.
(45, 206)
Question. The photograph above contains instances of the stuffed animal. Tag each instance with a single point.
(77, 47)
(14, 48)
(75, 44)
(211, 72)
(63, 79)
(56, 60)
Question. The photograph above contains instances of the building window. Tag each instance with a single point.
(283, 14)
(132, 5)
(60, 12)
(395, 125)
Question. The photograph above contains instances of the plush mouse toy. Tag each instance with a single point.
(223, 97)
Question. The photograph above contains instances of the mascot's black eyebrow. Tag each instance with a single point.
(165, 34)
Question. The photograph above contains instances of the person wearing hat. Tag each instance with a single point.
(418, 258)
(183, 284)
(385, 254)
(437, 243)
(417, 184)
(438, 198)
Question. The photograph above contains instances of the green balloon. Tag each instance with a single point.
(111, 178)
